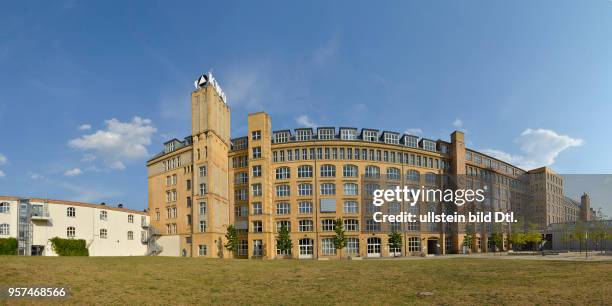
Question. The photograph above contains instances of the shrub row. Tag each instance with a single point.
(8, 246)
(69, 247)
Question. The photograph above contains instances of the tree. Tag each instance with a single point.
(600, 233)
(395, 241)
(232, 238)
(534, 237)
(518, 235)
(468, 240)
(580, 233)
(497, 237)
(339, 239)
(283, 242)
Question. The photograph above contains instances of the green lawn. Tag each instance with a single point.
(163, 281)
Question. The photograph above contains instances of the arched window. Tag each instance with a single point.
(71, 212)
(5, 208)
(283, 173)
(103, 215)
(304, 171)
(4, 229)
(130, 235)
(71, 232)
(328, 171)
(350, 171)
(103, 233)
(372, 172)
(413, 176)
(393, 174)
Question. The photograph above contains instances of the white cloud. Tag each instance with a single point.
(84, 127)
(36, 176)
(3, 159)
(458, 123)
(2, 174)
(539, 147)
(118, 143)
(414, 131)
(303, 120)
(326, 51)
(73, 172)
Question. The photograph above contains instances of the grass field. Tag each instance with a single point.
(164, 281)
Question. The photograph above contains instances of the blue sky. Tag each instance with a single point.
(88, 91)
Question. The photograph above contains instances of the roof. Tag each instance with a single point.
(73, 203)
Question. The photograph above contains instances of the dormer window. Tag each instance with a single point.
(411, 141)
(169, 147)
(370, 135)
(348, 134)
(429, 145)
(281, 137)
(391, 138)
(303, 135)
(326, 134)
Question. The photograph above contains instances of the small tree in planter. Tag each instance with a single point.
(395, 241)
(339, 239)
(468, 241)
(231, 236)
(283, 242)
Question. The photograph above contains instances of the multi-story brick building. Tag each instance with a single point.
(307, 178)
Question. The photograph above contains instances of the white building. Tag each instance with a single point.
(107, 231)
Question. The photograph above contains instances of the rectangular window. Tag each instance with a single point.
(203, 190)
(282, 191)
(257, 226)
(351, 225)
(257, 248)
(351, 207)
(328, 189)
(414, 244)
(256, 188)
(257, 171)
(305, 207)
(327, 225)
(256, 152)
(328, 205)
(202, 250)
(203, 208)
(305, 226)
(202, 226)
(304, 189)
(256, 135)
(282, 208)
(203, 171)
(327, 246)
(391, 138)
(352, 245)
(257, 208)
(350, 189)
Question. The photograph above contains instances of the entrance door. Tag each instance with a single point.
(432, 246)
(373, 247)
(38, 250)
(306, 248)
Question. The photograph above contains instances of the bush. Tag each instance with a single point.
(8, 246)
(69, 247)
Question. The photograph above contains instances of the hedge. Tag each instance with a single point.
(8, 246)
(69, 247)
